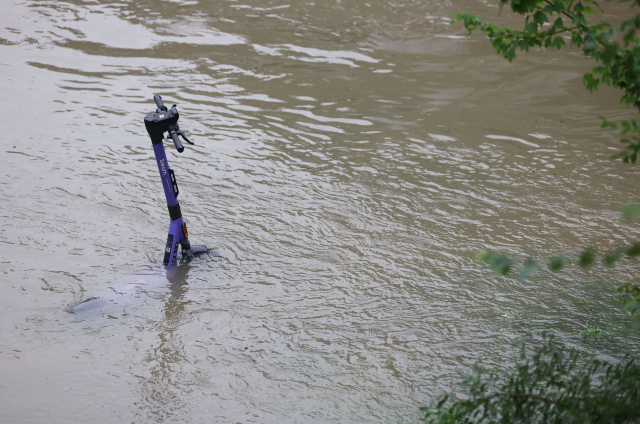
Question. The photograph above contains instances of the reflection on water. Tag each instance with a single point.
(351, 158)
(163, 390)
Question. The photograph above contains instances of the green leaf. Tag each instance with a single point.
(499, 264)
(578, 8)
(590, 82)
(558, 23)
(634, 250)
(556, 263)
(530, 266)
(631, 210)
(484, 256)
(630, 304)
(540, 17)
(589, 47)
(502, 265)
(605, 122)
(630, 36)
(587, 257)
(626, 127)
(613, 257)
(558, 42)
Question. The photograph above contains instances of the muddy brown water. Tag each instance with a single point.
(351, 158)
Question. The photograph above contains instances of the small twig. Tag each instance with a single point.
(565, 13)
(538, 35)
(568, 15)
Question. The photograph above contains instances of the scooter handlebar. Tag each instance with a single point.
(159, 103)
(165, 120)
(177, 142)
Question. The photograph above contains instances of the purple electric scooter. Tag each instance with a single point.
(163, 121)
(166, 120)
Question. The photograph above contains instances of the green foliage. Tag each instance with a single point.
(613, 257)
(631, 301)
(558, 262)
(587, 257)
(500, 264)
(530, 266)
(595, 332)
(631, 210)
(631, 141)
(557, 23)
(551, 385)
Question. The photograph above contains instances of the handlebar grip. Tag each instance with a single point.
(158, 101)
(177, 142)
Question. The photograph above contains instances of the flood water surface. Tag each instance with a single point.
(351, 159)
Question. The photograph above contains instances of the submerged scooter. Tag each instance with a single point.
(166, 120)
(163, 121)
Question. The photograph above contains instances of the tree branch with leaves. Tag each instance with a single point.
(616, 49)
(555, 24)
(555, 384)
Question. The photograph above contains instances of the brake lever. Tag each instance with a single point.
(181, 134)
